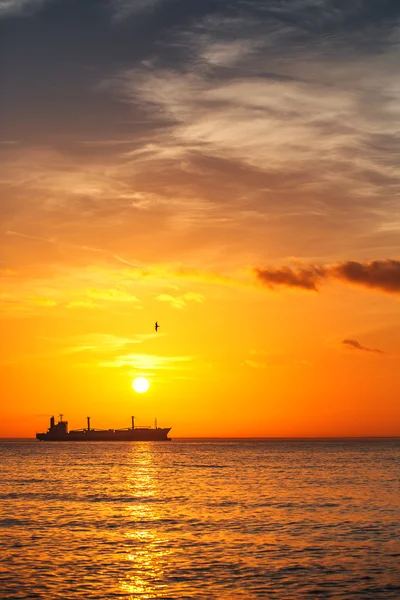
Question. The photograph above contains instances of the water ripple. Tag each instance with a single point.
(217, 519)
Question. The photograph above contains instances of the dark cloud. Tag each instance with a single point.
(305, 279)
(378, 274)
(355, 345)
(383, 275)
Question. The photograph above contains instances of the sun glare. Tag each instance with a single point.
(140, 384)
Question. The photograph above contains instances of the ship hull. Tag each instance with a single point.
(136, 435)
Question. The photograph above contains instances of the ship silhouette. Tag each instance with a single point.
(58, 432)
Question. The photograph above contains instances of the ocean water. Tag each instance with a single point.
(200, 519)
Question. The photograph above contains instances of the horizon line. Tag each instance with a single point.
(314, 437)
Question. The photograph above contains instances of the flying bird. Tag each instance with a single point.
(156, 326)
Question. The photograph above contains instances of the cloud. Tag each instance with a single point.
(282, 95)
(193, 296)
(97, 342)
(355, 345)
(260, 359)
(37, 301)
(254, 364)
(70, 248)
(148, 362)
(82, 304)
(304, 278)
(113, 295)
(125, 8)
(381, 275)
(35, 238)
(180, 301)
(265, 122)
(20, 7)
(121, 8)
(228, 125)
(29, 305)
(203, 275)
(276, 93)
(7, 272)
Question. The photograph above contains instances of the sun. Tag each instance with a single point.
(140, 384)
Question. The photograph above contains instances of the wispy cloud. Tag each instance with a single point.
(148, 362)
(180, 301)
(106, 284)
(207, 276)
(20, 7)
(355, 345)
(254, 364)
(82, 304)
(83, 249)
(96, 342)
(112, 295)
(284, 101)
(125, 8)
(265, 122)
(37, 301)
(27, 306)
(26, 295)
(268, 107)
(260, 359)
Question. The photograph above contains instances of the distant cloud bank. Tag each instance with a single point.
(382, 275)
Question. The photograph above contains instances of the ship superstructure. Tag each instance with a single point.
(58, 432)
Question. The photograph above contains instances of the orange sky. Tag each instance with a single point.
(216, 175)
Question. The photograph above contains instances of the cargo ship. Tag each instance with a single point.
(58, 432)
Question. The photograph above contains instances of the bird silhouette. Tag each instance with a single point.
(156, 326)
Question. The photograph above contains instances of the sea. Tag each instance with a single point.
(223, 519)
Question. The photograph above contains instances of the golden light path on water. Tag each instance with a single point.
(146, 549)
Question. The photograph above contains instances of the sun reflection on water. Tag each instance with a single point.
(146, 549)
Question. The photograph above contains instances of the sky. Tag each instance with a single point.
(229, 168)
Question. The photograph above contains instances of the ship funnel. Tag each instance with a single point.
(52, 421)
(88, 423)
